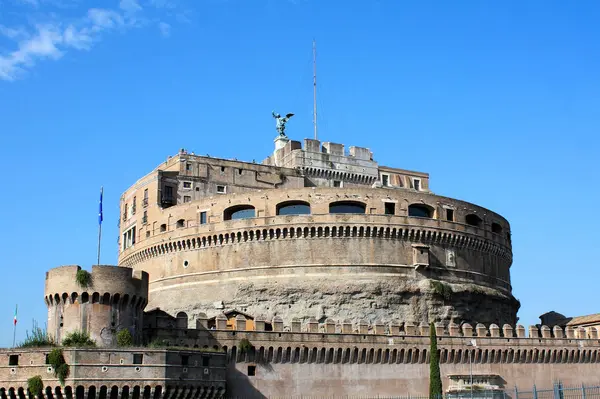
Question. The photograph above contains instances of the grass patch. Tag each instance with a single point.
(35, 385)
(78, 339)
(164, 344)
(441, 289)
(124, 338)
(57, 360)
(38, 338)
(83, 278)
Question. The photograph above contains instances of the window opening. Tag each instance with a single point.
(239, 212)
(420, 211)
(347, 207)
(251, 370)
(202, 217)
(221, 189)
(385, 180)
(138, 358)
(293, 208)
(450, 215)
(390, 208)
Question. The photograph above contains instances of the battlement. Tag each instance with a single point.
(107, 282)
(363, 327)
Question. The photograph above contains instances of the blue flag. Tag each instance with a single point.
(100, 211)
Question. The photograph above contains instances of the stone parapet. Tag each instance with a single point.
(117, 373)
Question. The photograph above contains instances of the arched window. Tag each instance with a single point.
(180, 223)
(496, 228)
(239, 212)
(420, 211)
(347, 207)
(293, 208)
(473, 220)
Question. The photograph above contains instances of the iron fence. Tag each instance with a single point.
(558, 391)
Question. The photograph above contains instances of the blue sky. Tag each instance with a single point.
(498, 101)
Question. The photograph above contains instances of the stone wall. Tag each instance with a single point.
(344, 265)
(344, 358)
(117, 373)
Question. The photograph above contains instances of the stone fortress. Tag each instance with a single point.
(315, 231)
(314, 273)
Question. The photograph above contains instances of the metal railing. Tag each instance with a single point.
(558, 391)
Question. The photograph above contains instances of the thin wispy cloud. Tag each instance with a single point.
(52, 39)
(165, 29)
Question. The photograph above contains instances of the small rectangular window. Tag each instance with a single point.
(13, 360)
(417, 184)
(138, 358)
(221, 189)
(337, 183)
(385, 180)
(450, 215)
(390, 208)
(187, 184)
(187, 198)
(147, 233)
(251, 370)
(188, 166)
(202, 217)
(205, 361)
(240, 171)
(222, 169)
(185, 360)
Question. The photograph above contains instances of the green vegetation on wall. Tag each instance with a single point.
(78, 339)
(38, 338)
(124, 338)
(58, 363)
(83, 278)
(35, 385)
(441, 289)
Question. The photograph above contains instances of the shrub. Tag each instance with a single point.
(124, 338)
(441, 289)
(78, 339)
(57, 360)
(83, 278)
(39, 337)
(245, 345)
(35, 385)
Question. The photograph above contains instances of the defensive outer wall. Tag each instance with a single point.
(378, 264)
(114, 299)
(342, 358)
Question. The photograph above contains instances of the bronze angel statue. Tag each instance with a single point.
(281, 122)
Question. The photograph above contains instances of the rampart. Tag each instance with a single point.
(116, 373)
(113, 299)
(345, 358)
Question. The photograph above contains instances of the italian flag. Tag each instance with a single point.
(15, 320)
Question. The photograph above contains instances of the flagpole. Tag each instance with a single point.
(100, 224)
(15, 326)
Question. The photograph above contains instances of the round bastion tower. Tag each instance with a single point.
(314, 231)
(113, 299)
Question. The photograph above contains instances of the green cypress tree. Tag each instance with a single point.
(435, 378)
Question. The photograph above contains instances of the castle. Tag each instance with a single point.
(316, 272)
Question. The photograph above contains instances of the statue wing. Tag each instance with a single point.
(289, 116)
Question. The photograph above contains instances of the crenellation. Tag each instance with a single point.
(558, 332)
(424, 329)
(494, 331)
(453, 329)
(546, 332)
(467, 330)
(534, 332)
(481, 330)
(520, 331)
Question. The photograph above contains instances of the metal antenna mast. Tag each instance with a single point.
(315, 87)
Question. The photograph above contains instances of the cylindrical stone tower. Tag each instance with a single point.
(113, 300)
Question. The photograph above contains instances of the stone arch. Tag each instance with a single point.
(473, 220)
(421, 211)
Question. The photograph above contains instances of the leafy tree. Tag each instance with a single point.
(435, 379)
(35, 385)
